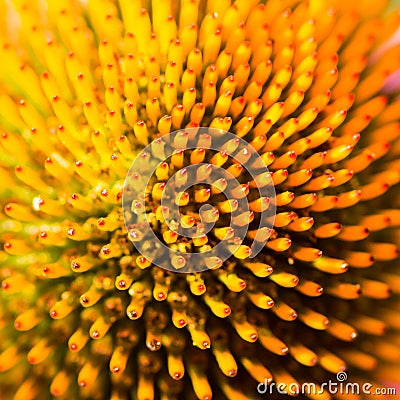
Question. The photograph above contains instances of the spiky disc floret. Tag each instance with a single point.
(86, 86)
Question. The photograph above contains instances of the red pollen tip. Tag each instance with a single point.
(73, 346)
(75, 265)
(161, 296)
(177, 375)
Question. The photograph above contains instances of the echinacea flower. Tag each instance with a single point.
(85, 86)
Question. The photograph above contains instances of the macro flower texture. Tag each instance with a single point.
(311, 85)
